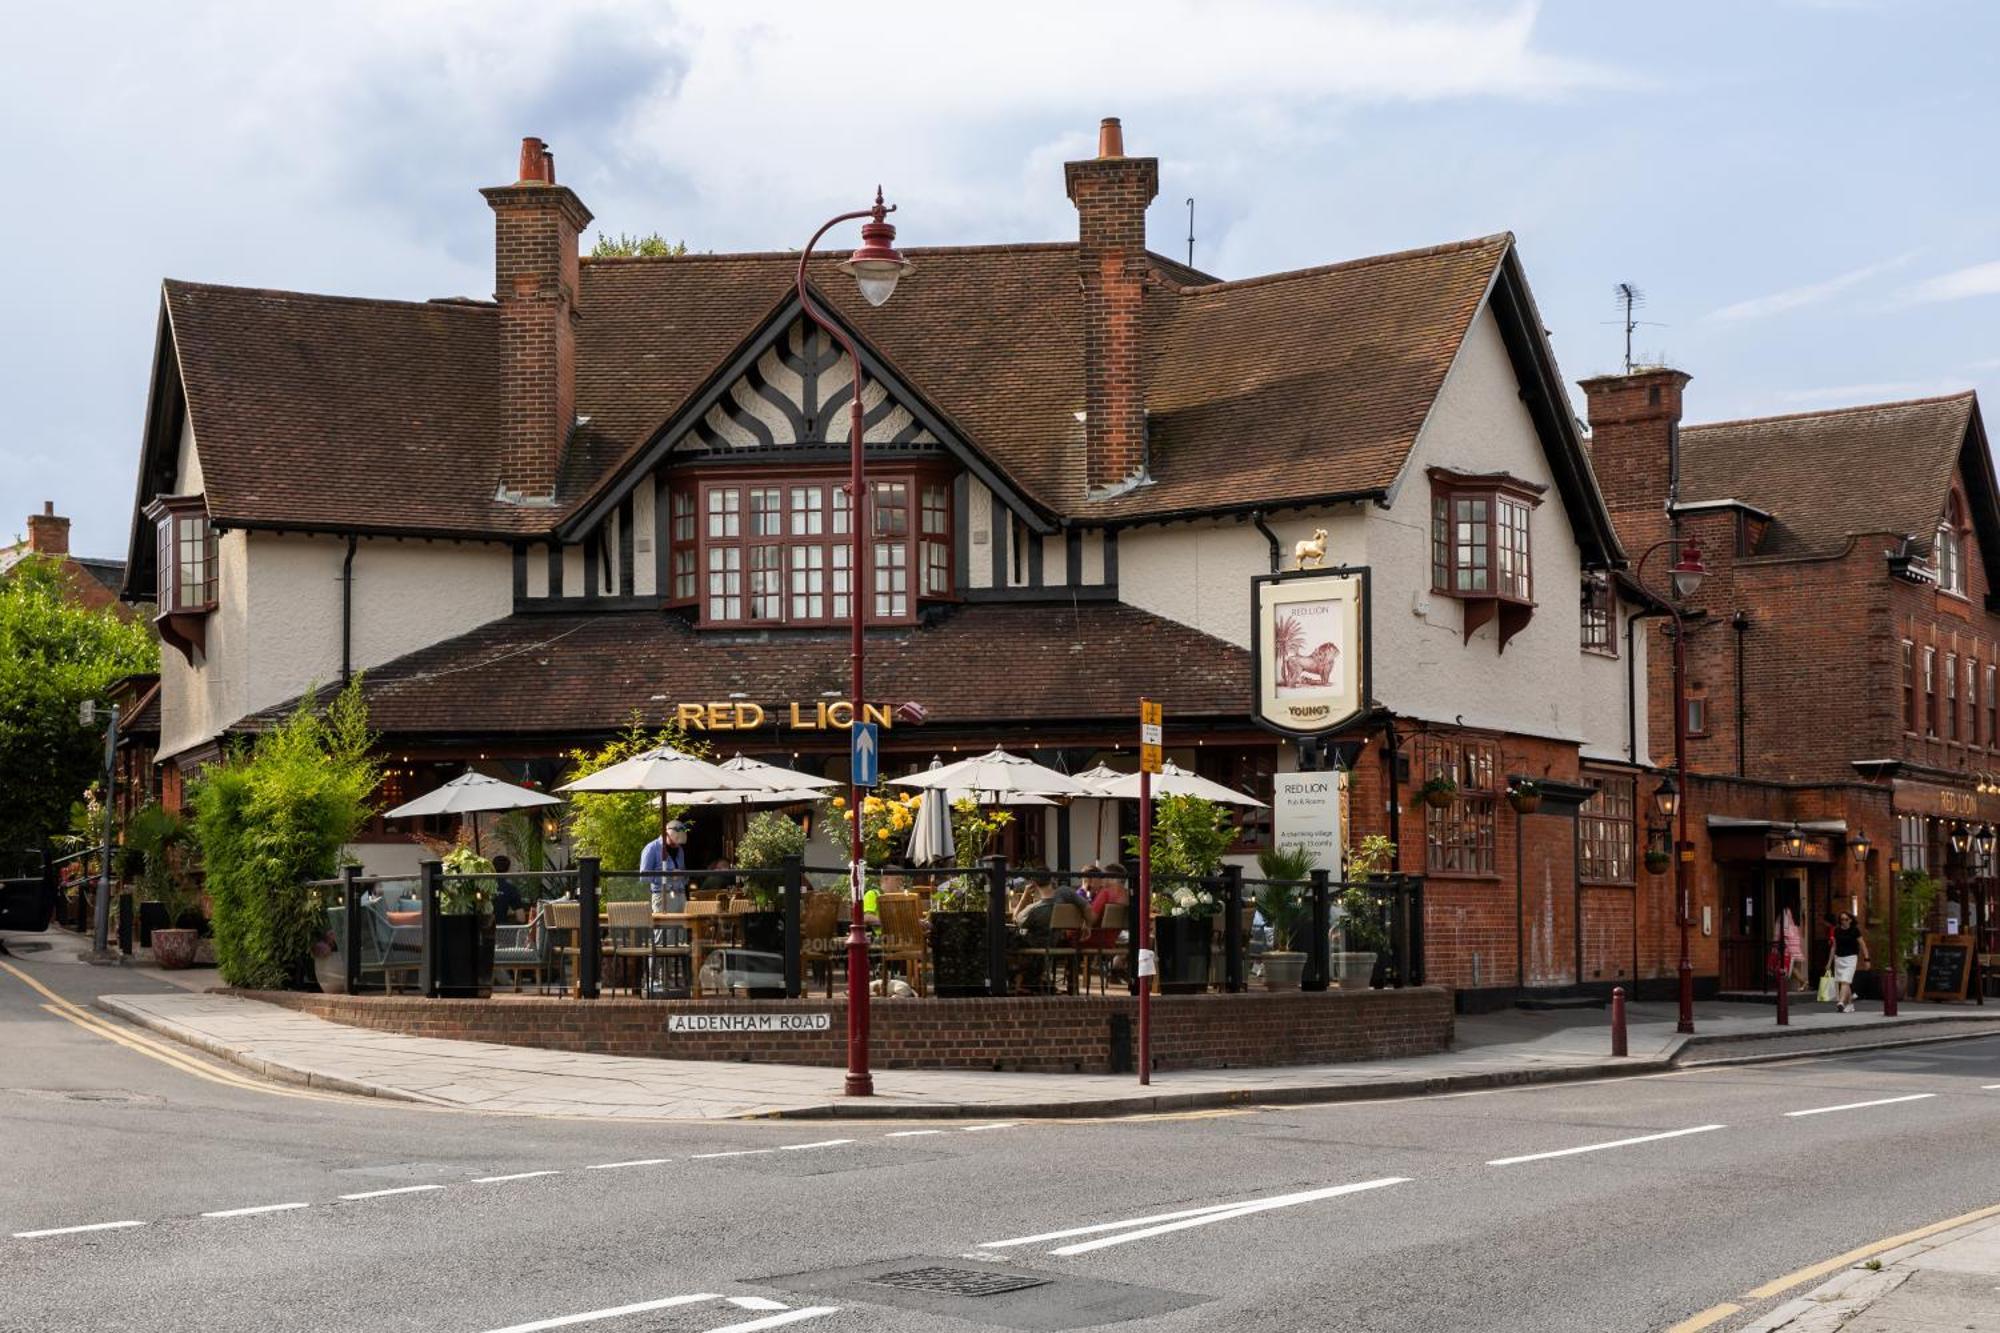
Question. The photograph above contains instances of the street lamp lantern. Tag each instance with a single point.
(877, 266)
(1666, 797)
(1795, 840)
(1860, 846)
(1688, 571)
(1959, 839)
(1982, 841)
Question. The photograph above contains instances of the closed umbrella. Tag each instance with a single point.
(999, 773)
(932, 840)
(472, 794)
(1173, 780)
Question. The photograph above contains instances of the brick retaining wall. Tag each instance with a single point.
(1046, 1035)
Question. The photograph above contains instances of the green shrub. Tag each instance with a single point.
(269, 817)
(1916, 892)
(160, 841)
(769, 838)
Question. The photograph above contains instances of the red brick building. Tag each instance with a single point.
(92, 583)
(1842, 657)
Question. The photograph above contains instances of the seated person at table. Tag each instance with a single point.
(1041, 908)
(1109, 888)
(507, 901)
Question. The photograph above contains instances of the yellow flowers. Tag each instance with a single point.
(839, 802)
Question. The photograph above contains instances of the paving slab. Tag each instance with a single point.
(1492, 1051)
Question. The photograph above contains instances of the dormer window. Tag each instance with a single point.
(1951, 548)
(764, 551)
(185, 591)
(1481, 547)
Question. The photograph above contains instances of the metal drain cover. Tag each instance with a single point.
(956, 1281)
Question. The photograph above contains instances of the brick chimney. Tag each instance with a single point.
(1635, 423)
(536, 223)
(48, 531)
(1111, 192)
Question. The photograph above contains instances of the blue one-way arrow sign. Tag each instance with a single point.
(865, 748)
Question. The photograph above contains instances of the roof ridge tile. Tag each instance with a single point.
(1823, 412)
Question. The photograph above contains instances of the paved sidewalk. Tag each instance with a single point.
(1492, 1050)
(1947, 1281)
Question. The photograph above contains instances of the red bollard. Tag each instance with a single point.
(1785, 1000)
(1618, 1047)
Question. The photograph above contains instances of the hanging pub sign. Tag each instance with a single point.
(1309, 649)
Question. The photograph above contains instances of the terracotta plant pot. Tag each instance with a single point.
(174, 948)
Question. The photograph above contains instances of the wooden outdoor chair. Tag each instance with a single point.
(523, 948)
(902, 938)
(629, 937)
(564, 921)
(1052, 944)
(704, 932)
(1098, 958)
(820, 941)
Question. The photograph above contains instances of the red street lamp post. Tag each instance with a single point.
(876, 267)
(1686, 575)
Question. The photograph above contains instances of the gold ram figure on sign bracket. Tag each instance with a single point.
(1310, 553)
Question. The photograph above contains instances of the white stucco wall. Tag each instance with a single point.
(1542, 685)
(187, 468)
(276, 628)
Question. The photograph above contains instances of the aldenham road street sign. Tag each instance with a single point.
(818, 1022)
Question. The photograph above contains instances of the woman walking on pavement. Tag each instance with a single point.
(1849, 952)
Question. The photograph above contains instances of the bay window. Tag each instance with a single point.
(1482, 549)
(184, 592)
(778, 552)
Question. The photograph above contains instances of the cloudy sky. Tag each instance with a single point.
(1808, 192)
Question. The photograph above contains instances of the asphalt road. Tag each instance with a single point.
(1408, 1215)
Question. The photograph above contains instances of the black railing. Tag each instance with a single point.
(777, 929)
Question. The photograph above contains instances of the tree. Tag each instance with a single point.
(651, 246)
(54, 655)
(272, 815)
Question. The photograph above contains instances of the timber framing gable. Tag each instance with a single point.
(783, 395)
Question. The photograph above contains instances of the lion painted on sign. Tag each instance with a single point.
(1301, 667)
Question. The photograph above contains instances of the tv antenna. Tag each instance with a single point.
(1630, 298)
(1190, 204)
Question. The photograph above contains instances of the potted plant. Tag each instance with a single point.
(769, 838)
(1285, 900)
(1525, 795)
(1190, 836)
(1439, 790)
(158, 838)
(465, 925)
(1657, 860)
(959, 919)
(1363, 937)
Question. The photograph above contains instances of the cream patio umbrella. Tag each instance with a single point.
(677, 777)
(472, 794)
(773, 776)
(994, 777)
(1173, 780)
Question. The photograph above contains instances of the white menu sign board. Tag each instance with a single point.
(1305, 812)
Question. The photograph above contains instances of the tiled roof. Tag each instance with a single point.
(569, 675)
(337, 412)
(316, 410)
(1828, 476)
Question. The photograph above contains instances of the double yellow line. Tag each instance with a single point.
(1715, 1314)
(157, 1050)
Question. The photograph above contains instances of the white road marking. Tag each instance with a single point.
(1600, 1147)
(777, 1320)
(823, 1143)
(740, 1152)
(1988, 1087)
(757, 1303)
(640, 1161)
(564, 1321)
(401, 1189)
(919, 1133)
(1108, 1226)
(1241, 1210)
(518, 1175)
(1856, 1106)
(976, 1129)
(260, 1208)
(1190, 1216)
(71, 1231)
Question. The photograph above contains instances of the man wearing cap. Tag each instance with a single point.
(665, 853)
